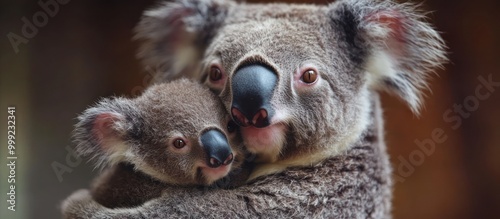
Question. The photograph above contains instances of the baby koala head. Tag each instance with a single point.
(177, 132)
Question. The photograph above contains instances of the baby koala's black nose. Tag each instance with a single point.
(217, 148)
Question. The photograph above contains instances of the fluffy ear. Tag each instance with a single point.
(101, 132)
(392, 42)
(175, 34)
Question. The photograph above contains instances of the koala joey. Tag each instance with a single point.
(297, 78)
(176, 133)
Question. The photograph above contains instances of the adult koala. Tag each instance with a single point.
(298, 78)
(302, 81)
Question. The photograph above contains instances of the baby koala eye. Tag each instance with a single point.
(179, 143)
(309, 76)
(231, 126)
(215, 73)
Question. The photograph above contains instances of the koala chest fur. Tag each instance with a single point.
(123, 186)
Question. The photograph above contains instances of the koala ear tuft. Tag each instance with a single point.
(106, 127)
(393, 43)
(101, 131)
(175, 34)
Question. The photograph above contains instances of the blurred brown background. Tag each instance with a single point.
(84, 52)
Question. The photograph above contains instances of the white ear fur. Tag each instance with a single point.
(380, 65)
(383, 75)
(404, 48)
(100, 132)
(168, 44)
(175, 34)
(108, 131)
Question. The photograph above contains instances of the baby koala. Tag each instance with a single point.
(176, 133)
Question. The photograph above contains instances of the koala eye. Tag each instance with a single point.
(231, 126)
(215, 73)
(179, 143)
(309, 76)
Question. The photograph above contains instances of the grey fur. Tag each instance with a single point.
(134, 138)
(358, 47)
(355, 184)
(181, 27)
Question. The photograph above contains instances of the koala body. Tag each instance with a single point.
(175, 133)
(303, 82)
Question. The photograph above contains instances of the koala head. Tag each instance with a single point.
(298, 79)
(177, 132)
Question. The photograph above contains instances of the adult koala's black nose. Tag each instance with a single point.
(217, 148)
(252, 88)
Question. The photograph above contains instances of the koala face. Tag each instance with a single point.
(299, 79)
(190, 123)
(312, 99)
(178, 133)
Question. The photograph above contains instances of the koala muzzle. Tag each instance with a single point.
(253, 88)
(217, 148)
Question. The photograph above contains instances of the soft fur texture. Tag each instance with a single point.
(355, 184)
(356, 47)
(325, 155)
(134, 139)
(123, 186)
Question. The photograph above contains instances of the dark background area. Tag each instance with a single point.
(85, 52)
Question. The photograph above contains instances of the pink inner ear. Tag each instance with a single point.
(104, 128)
(392, 20)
